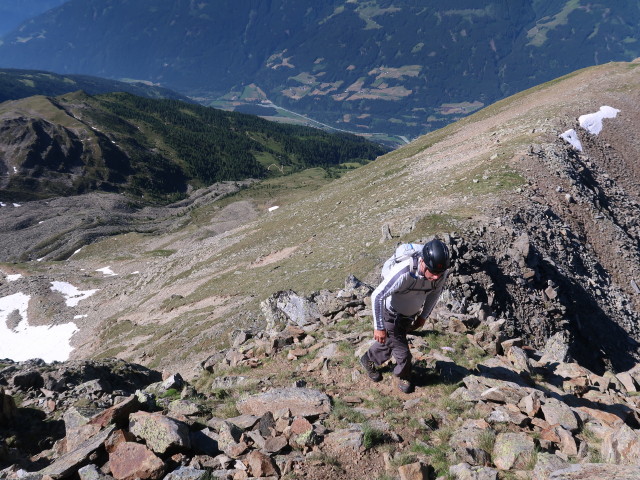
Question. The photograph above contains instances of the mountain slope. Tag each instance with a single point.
(150, 148)
(16, 84)
(547, 236)
(394, 67)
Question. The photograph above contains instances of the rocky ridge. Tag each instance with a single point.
(503, 407)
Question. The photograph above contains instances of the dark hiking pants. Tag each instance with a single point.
(396, 344)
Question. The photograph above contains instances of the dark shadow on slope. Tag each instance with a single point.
(596, 340)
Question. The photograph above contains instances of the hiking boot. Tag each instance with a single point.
(370, 368)
(405, 386)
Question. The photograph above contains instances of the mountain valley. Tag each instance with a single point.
(415, 68)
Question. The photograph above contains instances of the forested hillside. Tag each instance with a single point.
(151, 148)
(15, 84)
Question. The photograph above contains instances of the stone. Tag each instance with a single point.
(91, 472)
(502, 414)
(468, 443)
(160, 433)
(464, 471)
(598, 471)
(300, 425)
(287, 307)
(130, 461)
(261, 465)
(187, 473)
(228, 437)
(513, 451)
(302, 402)
(275, 444)
(606, 418)
(70, 462)
(184, 407)
(519, 359)
(556, 350)
(559, 413)
(116, 438)
(415, 471)
(568, 444)
(621, 446)
(245, 422)
(546, 463)
(118, 414)
(530, 404)
(351, 438)
(173, 382)
(78, 435)
(627, 381)
(304, 440)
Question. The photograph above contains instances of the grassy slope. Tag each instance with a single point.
(445, 181)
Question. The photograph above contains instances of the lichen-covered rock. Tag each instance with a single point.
(159, 432)
(513, 451)
(303, 402)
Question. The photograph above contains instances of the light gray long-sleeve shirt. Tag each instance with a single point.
(405, 291)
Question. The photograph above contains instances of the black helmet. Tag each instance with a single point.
(436, 256)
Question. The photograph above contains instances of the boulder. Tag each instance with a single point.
(130, 461)
(468, 445)
(513, 451)
(118, 414)
(556, 350)
(287, 307)
(342, 438)
(303, 402)
(621, 446)
(415, 471)
(546, 463)
(91, 472)
(261, 465)
(187, 473)
(160, 433)
(559, 413)
(464, 471)
(70, 462)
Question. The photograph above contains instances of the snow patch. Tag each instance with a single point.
(13, 278)
(271, 209)
(24, 341)
(592, 122)
(106, 271)
(71, 293)
(571, 137)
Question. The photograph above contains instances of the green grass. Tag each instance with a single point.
(371, 436)
(342, 414)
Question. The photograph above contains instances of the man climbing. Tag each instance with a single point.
(402, 303)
